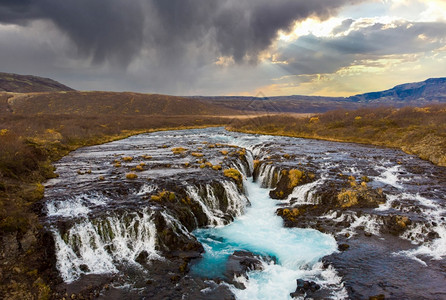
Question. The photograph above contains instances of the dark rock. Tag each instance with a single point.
(343, 247)
(240, 263)
(305, 288)
(395, 224)
(84, 268)
(142, 257)
(289, 179)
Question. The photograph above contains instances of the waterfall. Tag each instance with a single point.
(213, 219)
(250, 160)
(216, 211)
(304, 194)
(266, 176)
(97, 246)
(236, 202)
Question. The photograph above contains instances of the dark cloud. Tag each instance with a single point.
(314, 55)
(117, 31)
(345, 25)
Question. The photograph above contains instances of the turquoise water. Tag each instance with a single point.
(260, 231)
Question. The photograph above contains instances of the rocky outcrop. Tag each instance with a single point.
(240, 263)
(289, 179)
(305, 289)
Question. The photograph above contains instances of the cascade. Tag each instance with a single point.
(97, 246)
(120, 226)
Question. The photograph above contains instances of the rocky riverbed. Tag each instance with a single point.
(132, 218)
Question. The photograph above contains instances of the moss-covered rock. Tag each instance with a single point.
(289, 179)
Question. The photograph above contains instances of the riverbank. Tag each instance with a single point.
(417, 131)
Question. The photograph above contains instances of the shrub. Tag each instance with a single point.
(164, 196)
(234, 174)
(179, 150)
(131, 176)
(295, 177)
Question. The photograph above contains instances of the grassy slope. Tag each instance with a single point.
(419, 131)
(111, 103)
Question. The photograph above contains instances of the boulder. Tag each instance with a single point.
(305, 288)
(289, 179)
(240, 263)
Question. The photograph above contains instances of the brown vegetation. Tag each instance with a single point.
(110, 103)
(419, 131)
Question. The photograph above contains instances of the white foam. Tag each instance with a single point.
(304, 194)
(435, 249)
(389, 176)
(76, 206)
(277, 282)
(147, 189)
(372, 224)
(101, 245)
(261, 230)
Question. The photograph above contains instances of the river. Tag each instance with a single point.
(358, 221)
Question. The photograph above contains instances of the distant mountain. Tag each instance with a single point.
(414, 94)
(418, 93)
(29, 84)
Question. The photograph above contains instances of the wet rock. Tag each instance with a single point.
(395, 224)
(343, 247)
(142, 257)
(84, 268)
(172, 242)
(305, 288)
(289, 179)
(240, 263)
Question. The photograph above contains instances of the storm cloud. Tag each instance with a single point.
(117, 31)
(310, 54)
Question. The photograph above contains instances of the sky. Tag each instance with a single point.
(225, 47)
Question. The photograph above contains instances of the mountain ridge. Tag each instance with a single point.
(37, 93)
(429, 89)
(10, 82)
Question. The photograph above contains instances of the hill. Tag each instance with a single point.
(41, 95)
(28, 84)
(107, 103)
(432, 90)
